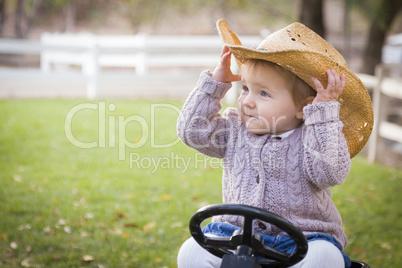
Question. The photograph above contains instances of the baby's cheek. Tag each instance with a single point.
(239, 105)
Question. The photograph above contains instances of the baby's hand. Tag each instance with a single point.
(222, 72)
(335, 87)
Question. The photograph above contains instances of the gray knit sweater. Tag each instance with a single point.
(290, 177)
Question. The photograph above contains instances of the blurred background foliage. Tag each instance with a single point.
(370, 19)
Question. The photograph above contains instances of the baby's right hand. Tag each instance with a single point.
(222, 72)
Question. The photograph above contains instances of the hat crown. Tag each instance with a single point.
(297, 37)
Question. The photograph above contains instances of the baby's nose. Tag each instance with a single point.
(249, 101)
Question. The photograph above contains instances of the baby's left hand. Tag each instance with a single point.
(335, 87)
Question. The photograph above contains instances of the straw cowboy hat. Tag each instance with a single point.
(305, 54)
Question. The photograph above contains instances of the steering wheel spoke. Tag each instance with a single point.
(274, 254)
(221, 242)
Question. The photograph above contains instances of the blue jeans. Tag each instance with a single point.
(280, 242)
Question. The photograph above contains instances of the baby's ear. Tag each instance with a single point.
(308, 100)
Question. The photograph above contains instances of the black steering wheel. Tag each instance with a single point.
(245, 241)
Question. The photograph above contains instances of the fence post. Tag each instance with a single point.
(380, 113)
(140, 57)
(44, 61)
(91, 69)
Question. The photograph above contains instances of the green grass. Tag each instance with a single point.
(61, 205)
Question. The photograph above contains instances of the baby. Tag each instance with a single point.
(290, 139)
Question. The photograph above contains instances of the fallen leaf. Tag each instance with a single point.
(149, 226)
(84, 234)
(158, 260)
(62, 222)
(165, 197)
(13, 245)
(120, 215)
(67, 229)
(17, 178)
(89, 215)
(8, 253)
(386, 245)
(116, 232)
(24, 227)
(47, 229)
(25, 262)
(88, 258)
(79, 223)
(357, 251)
(378, 262)
(125, 235)
(3, 236)
(131, 225)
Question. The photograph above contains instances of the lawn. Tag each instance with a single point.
(108, 184)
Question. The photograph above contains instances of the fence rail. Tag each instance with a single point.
(384, 88)
(142, 53)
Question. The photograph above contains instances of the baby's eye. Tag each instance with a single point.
(245, 89)
(264, 94)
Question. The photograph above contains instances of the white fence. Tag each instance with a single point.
(384, 88)
(140, 52)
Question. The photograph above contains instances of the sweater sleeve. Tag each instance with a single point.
(200, 126)
(326, 155)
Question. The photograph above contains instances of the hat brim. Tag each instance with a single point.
(356, 110)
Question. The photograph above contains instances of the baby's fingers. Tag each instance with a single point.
(225, 50)
(343, 82)
(339, 83)
(337, 79)
(318, 85)
(226, 59)
(332, 81)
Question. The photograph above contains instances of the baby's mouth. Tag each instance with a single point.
(250, 116)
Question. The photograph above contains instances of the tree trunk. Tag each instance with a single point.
(379, 27)
(2, 15)
(70, 16)
(311, 15)
(22, 21)
(19, 19)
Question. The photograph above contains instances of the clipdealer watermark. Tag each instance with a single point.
(112, 128)
(112, 134)
(173, 161)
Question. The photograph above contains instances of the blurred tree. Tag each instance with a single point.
(140, 11)
(311, 15)
(25, 12)
(70, 15)
(2, 15)
(382, 14)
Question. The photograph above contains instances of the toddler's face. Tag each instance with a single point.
(265, 104)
